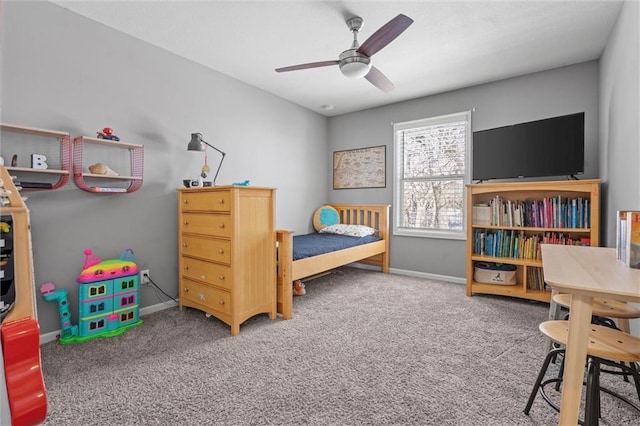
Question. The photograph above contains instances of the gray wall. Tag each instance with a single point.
(620, 119)
(620, 123)
(61, 71)
(556, 92)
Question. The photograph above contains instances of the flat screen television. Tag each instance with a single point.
(549, 147)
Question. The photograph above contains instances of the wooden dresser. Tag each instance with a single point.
(227, 252)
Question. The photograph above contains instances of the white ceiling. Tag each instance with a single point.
(451, 44)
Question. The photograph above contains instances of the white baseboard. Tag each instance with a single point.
(157, 307)
(456, 280)
(53, 335)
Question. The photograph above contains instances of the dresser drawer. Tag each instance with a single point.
(216, 225)
(207, 248)
(211, 273)
(218, 300)
(218, 201)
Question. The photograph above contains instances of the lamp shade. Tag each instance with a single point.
(195, 144)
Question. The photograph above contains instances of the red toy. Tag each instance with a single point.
(23, 373)
(107, 133)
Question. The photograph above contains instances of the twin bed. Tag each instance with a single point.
(298, 257)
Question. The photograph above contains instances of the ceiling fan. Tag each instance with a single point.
(355, 62)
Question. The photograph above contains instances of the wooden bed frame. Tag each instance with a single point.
(376, 253)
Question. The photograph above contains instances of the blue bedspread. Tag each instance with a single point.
(309, 245)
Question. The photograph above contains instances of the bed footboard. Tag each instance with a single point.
(284, 240)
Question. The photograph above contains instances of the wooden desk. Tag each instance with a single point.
(585, 273)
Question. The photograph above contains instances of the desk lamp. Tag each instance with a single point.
(196, 145)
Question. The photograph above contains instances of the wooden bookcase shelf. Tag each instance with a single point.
(49, 178)
(558, 223)
(17, 261)
(105, 184)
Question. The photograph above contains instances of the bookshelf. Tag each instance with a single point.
(19, 143)
(507, 222)
(128, 156)
(16, 260)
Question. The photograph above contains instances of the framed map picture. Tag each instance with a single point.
(360, 168)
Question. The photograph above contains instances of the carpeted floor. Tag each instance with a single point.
(363, 348)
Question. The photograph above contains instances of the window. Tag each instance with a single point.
(431, 170)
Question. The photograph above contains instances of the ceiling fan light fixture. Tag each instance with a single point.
(355, 69)
(355, 66)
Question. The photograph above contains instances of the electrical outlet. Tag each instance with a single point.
(144, 277)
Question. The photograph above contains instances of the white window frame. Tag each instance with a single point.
(398, 180)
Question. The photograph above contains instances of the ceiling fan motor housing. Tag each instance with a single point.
(354, 64)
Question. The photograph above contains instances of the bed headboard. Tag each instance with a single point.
(373, 215)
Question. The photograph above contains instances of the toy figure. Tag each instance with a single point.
(107, 133)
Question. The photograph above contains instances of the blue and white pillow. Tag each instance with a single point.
(351, 230)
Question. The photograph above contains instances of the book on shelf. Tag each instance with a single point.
(481, 214)
(516, 244)
(35, 185)
(107, 189)
(628, 237)
(548, 212)
(535, 280)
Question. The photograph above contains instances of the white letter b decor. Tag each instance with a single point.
(39, 161)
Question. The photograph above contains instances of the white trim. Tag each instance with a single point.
(158, 307)
(454, 280)
(436, 233)
(53, 335)
(436, 277)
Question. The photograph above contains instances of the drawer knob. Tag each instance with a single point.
(221, 277)
(185, 244)
(186, 222)
(221, 201)
(186, 289)
(221, 226)
(186, 267)
(221, 302)
(185, 201)
(221, 251)
(203, 276)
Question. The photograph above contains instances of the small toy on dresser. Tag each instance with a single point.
(107, 297)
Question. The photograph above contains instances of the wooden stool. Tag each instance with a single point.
(606, 346)
(621, 312)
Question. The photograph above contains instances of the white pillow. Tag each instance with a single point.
(351, 230)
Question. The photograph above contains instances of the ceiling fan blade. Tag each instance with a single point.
(379, 80)
(307, 66)
(385, 35)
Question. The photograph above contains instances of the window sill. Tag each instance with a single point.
(421, 233)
